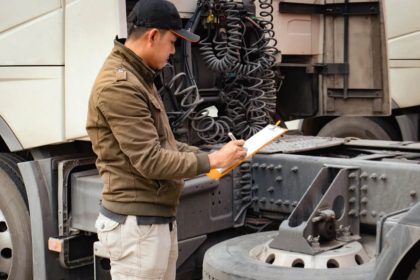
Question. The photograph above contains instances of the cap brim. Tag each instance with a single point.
(186, 35)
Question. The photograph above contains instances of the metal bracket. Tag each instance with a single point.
(65, 168)
(326, 216)
(70, 256)
(355, 93)
(336, 9)
(330, 69)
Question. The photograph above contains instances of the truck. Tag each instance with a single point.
(304, 207)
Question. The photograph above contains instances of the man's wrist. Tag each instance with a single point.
(213, 160)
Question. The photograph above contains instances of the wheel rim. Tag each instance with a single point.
(6, 248)
(349, 255)
(352, 255)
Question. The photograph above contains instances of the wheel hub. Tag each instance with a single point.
(6, 248)
(351, 254)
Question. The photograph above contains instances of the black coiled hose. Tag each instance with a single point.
(269, 49)
(248, 88)
(190, 98)
(226, 54)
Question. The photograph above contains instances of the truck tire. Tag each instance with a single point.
(15, 232)
(230, 260)
(415, 272)
(359, 127)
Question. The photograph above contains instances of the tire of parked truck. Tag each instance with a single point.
(15, 232)
(360, 127)
(230, 260)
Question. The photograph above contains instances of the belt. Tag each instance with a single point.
(141, 220)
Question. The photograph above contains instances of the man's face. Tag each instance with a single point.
(163, 47)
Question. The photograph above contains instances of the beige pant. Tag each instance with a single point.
(139, 251)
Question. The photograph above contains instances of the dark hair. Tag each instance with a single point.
(135, 32)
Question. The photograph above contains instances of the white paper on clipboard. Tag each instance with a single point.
(258, 141)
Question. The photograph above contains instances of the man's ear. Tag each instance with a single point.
(152, 35)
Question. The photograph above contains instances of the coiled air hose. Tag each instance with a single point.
(246, 81)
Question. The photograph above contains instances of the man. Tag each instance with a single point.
(141, 164)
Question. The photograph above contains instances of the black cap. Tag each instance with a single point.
(160, 14)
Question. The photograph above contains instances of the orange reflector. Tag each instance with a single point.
(55, 245)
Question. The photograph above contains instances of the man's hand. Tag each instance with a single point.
(229, 154)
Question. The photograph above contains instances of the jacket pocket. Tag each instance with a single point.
(109, 234)
(158, 115)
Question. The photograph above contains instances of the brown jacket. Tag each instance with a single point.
(141, 164)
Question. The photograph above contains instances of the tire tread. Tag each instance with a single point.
(8, 162)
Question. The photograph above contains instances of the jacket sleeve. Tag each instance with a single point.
(182, 147)
(126, 110)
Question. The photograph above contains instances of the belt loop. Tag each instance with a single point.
(171, 226)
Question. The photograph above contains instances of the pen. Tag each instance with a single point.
(231, 136)
(274, 126)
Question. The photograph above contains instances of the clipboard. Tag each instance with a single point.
(258, 141)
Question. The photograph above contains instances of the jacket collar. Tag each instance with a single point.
(139, 65)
